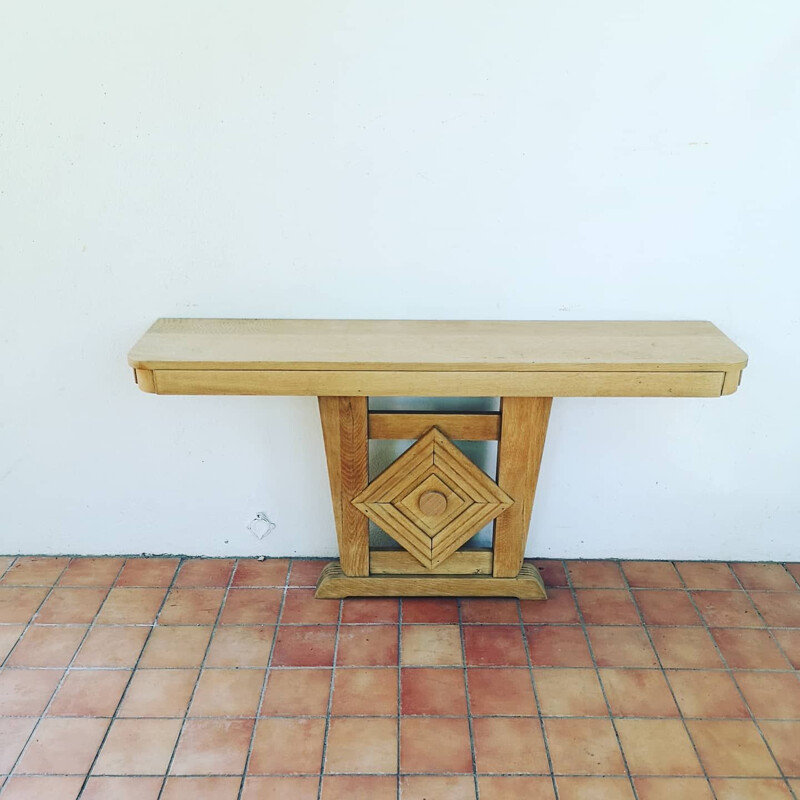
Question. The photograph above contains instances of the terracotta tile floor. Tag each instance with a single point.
(162, 679)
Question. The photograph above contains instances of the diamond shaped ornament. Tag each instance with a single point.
(432, 499)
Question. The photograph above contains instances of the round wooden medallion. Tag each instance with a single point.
(432, 503)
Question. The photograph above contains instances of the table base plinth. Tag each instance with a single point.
(333, 583)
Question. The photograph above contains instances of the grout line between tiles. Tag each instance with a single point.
(473, 753)
(266, 679)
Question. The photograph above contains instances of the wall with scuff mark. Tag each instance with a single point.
(520, 160)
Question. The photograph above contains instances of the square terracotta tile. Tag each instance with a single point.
(595, 788)
(9, 634)
(34, 571)
(304, 646)
(71, 606)
(306, 572)
(670, 607)
(371, 692)
(494, 645)
(246, 646)
(441, 787)
(280, 788)
(789, 642)
(148, 572)
(301, 607)
(782, 737)
(52, 787)
(494, 610)
(771, 695)
(212, 747)
(111, 646)
(607, 607)
(500, 692)
(14, 732)
(287, 747)
(137, 747)
(431, 645)
(297, 693)
(551, 570)
(205, 788)
(62, 747)
(45, 646)
(91, 572)
(569, 693)
(751, 789)
(583, 747)
(26, 692)
(227, 693)
(638, 693)
(433, 691)
(20, 604)
(707, 694)
(373, 609)
(129, 606)
(767, 577)
(205, 572)
(745, 648)
(727, 609)
(159, 693)
(346, 787)
(731, 748)
(122, 789)
(367, 646)
(365, 744)
(794, 571)
(658, 747)
(189, 606)
(559, 607)
(595, 574)
(252, 606)
(621, 646)
(779, 609)
(672, 788)
(5, 563)
(706, 575)
(436, 610)
(90, 693)
(651, 575)
(435, 744)
(178, 646)
(271, 572)
(557, 647)
(514, 787)
(685, 648)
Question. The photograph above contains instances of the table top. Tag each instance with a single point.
(298, 354)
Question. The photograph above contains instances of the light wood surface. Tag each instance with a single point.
(477, 561)
(344, 429)
(519, 455)
(491, 358)
(528, 585)
(413, 424)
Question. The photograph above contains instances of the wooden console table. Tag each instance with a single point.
(433, 499)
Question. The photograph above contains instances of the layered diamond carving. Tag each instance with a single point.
(432, 499)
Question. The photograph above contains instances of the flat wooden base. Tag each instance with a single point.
(333, 583)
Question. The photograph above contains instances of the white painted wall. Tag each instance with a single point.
(520, 160)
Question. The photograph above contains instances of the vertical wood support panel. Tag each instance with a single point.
(344, 429)
(523, 429)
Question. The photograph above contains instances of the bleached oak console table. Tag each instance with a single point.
(433, 499)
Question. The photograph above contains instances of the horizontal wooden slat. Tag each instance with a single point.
(413, 425)
(398, 562)
(438, 384)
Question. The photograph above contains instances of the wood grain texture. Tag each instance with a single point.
(413, 424)
(528, 585)
(519, 455)
(398, 562)
(344, 429)
(438, 384)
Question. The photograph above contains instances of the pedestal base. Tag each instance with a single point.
(333, 583)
